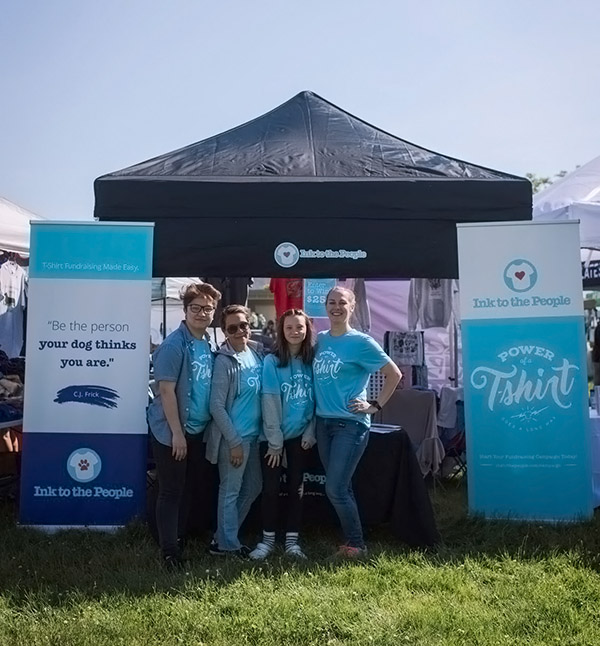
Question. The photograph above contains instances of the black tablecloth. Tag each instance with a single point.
(388, 486)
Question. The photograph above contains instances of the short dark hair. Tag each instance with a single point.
(193, 290)
(233, 309)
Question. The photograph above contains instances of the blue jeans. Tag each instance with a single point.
(238, 489)
(341, 443)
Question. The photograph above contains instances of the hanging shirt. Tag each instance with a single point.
(294, 384)
(341, 368)
(429, 302)
(288, 293)
(361, 316)
(12, 307)
(246, 411)
(202, 365)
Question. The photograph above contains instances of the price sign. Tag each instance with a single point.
(315, 294)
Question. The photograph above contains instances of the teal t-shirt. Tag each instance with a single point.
(202, 368)
(246, 411)
(294, 384)
(341, 368)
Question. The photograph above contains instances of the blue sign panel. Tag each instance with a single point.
(526, 388)
(89, 479)
(96, 251)
(315, 293)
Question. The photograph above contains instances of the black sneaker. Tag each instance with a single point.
(215, 550)
(173, 563)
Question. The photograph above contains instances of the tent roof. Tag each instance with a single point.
(14, 226)
(306, 136)
(576, 196)
(312, 175)
(580, 186)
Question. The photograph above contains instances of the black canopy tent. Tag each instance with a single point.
(343, 198)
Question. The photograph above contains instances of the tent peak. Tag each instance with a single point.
(307, 136)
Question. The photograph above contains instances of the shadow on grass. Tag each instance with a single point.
(81, 564)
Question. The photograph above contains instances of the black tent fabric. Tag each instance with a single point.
(308, 190)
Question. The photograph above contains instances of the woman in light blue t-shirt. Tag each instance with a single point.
(232, 437)
(344, 360)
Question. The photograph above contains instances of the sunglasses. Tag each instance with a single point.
(244, 326)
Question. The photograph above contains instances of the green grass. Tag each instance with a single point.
(488, 583)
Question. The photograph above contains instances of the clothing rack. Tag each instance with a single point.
(20, 259)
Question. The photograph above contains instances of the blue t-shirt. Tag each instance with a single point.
(341, 368)
(294, 384)
(202, 368)
(246, 411)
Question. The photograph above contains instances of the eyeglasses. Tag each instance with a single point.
(205, 309)
(233, 328)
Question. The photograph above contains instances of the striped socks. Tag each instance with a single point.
(291, 538)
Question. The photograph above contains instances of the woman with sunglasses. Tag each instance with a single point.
(177, 417)
(288, 423)
(344, 361)
(232, 438)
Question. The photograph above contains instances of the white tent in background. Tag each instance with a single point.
(14, 227)
(574, 197)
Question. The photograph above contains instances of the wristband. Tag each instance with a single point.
(375, 403)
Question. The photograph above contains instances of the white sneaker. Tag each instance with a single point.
(295, 550)
(260, 552)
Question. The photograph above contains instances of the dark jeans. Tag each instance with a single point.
(175, 486)
(296, 456)
(341, 443)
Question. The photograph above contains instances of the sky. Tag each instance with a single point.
(93, 86)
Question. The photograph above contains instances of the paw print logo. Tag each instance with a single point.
(84, 465)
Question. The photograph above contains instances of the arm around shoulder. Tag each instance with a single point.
(221, 383)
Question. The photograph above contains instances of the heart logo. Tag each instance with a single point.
(286, 254)
(520, 274)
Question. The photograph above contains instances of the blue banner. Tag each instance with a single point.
(315, 293)
(96, 251)
(527, 392)
(88, 342)
(525, 371)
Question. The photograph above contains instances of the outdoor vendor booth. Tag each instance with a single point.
(310, 190)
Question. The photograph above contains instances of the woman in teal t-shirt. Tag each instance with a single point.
(344, 360)
(288, 423)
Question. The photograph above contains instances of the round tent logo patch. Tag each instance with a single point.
(286, 254)
(84, 465)
(520, 275)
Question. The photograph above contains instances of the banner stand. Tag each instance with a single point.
(85, 440)
(525, 371)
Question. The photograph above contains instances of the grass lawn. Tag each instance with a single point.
(488, 583)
